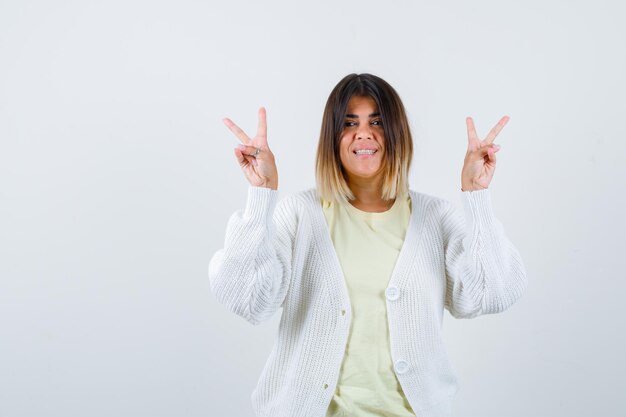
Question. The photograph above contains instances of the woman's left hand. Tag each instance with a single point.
(480, 159)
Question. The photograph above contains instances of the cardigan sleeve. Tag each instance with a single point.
(250, 275)
(484, 271)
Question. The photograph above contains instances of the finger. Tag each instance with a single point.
(247, 150)
(484, 150)
(262, 129)
(237, 131)
(471, 130)
(495, 130)
(491, 154)
(240, 158)
(244, 159)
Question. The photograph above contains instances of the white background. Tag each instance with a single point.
(117, 179)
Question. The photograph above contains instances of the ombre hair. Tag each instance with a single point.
(329, 174)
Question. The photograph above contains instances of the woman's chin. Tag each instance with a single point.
(364, 175)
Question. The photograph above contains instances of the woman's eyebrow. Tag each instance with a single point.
(354, 116)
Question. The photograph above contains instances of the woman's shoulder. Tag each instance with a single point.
(301, 199)
(299, 205)
(298, 210)
(432, 205)
(428, 200)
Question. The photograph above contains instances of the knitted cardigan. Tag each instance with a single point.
(280, 254)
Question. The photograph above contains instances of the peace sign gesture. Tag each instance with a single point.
(480, 159)
(254, 155)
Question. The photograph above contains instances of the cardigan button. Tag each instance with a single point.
(392, 293)
(401, 366)
(343, 311)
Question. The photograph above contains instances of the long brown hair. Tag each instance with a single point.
(331, 182)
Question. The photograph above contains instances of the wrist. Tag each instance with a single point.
(471, 186)
(270, 184)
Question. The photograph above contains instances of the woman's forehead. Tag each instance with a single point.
(363, 105)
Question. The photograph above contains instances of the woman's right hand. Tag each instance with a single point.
(260, 170)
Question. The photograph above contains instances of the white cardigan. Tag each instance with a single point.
(280, 254)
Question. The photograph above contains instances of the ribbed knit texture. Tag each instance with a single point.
(279, 254)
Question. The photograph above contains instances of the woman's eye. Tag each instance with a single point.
(349, 124)
(377, 122)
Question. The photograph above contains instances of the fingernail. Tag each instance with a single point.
(241, 147)
(254, 162)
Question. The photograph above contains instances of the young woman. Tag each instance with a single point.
(361, 265)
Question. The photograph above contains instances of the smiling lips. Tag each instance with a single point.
(365, 152)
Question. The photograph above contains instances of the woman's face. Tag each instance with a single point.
(362, 146)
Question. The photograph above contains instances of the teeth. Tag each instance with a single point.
(365, 152)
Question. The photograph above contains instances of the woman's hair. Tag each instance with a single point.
(329, 174)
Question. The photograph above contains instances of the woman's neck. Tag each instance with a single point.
(367, 197)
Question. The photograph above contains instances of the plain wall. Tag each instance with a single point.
(117, 178)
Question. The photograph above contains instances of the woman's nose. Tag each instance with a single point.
(364, 131)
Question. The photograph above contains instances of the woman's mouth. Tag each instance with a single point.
(364, 153)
